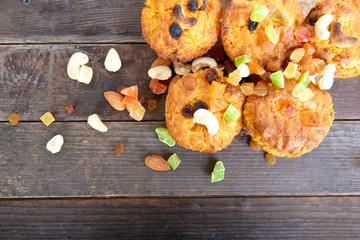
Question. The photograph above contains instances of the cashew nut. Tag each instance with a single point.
(338, 38)
(325, 79)
(86, 74)
(75, 62)
(321, 26)
(160, 72)
(112, 61)
(180, 16)
(205, 117)
(182, 68)
(95, 122)
(55, 144)
(203, 62)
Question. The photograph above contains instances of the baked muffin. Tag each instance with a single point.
(283, 125)
(343, 46)
(205, 89)
(181, 30)
(241, 36)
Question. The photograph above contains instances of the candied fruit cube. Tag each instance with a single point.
(271, 34)
(255, 68)
(298, 89)
(217, 89)
(130, 91)
(218, 172)
(234, 79)
(290, 70)
(310, 118)
(217, 105)
(261, 89)
(278, 79)
(297, 75)
(247, 88)
(47, 118)
(164, 136)
(231, 114)
(309, 49)
(302, 34)
(242, 60)
(308, 68)
(297, 54)
(136, 110)
(319, 64)
(280, 17)
(157, 87)
(14, 118)
(304, 79)
(259, 13)
(305, 95)
(127, 100)
(174, 161)
(287, 34)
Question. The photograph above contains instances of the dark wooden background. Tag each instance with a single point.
(86, 192)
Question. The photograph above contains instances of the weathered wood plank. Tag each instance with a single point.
(87, 165)
(217, 218)
(92, 21)
(33, 80)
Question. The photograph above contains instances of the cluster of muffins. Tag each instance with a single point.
(283, 105)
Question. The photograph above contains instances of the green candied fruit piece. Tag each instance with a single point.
(174, 161)
(165, 137)
(305, 79)
(278, 79)
(231, 114)
(280, 17)
(259, 13)
(219, 166)
(218, 172)
(242, 60)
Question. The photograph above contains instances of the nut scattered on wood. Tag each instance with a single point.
(160, 72)
(119, 148)
(95, 122)
(86, 74)
(75, 62)
(254, 146)
(68, 107)
(55, 144)
(115, 100)
(14, 118)
(271, 159)
(161, 62)
(157, 163)
(112, 61)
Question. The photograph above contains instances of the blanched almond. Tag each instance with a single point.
(112, 61)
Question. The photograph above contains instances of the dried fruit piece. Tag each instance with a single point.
(141, 99)
(259, 13)
(278, 79)
(136, 110)
(157, 87)
(302, 34)
(55, 144)
(310, 118)
(115, 100)
(280, 17)
(189, 82)
(271, 34)
(273, 66)
(218, 172)
(206, 118)
(298, 89)
(129, 100)
(229, 66)
(255, 68)
(217, 104)
(165, 137)
(252, 25)
(305, 95)
(119, 148)
(254, 146)
(290, 70)
(152, 105)
(75, 62)
(174, 161)
(247, 88)
(161, 62)
(201, 105)
(188, 111)
(212, 75)
(95, 122)
(130, 91)
(157, 163)
(14, 118)
(243, 59)
(68, 107)
(271, 159)
(261, 89)
(297, 54)
(231, 114)
(309, 49)
(112, 61)
(217, 89)
(120, 88)
(47, 118)
(304, 79)
(308, 68)
(319, 64)
(86, 74)
(288, 110)
(175, 31)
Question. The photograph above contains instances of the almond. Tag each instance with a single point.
(161, 62)
(157, 163)
(115, 100)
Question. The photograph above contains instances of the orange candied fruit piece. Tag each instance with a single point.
(297, 54)
(157, 87)
(217, 104)
(128, 100)
(255, 68)
(309, 67)
(130, 91)
(310, 118)
(217, 89)
(136, 110)
(309, 49)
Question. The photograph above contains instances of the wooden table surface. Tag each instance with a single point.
(86, 192)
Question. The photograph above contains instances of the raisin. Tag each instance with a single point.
(141, 99)
(201, 105)
(152, 105)
(252, 25)
(193, 5)
(119, 148)
(188, 111)
(14, 118)
(204, 4)
(212, 75)
(68, 107)
(175, 30)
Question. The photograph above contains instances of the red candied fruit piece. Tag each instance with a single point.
(302, 34)
(129, 100)
(157, 87)
(130, 91)
(287, 34)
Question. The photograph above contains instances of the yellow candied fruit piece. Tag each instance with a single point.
(247, 88)
(271, 34)
(305, 95)
(47, 118)
(136, 110)
(217, 89)
(297, 55)
(290, 70)
(319, 64)
(298, 89)
(217, 105)
(234, 79)
(297, 75)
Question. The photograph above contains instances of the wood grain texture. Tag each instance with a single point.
(87, 165)
(33, 80)
(227, 218)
